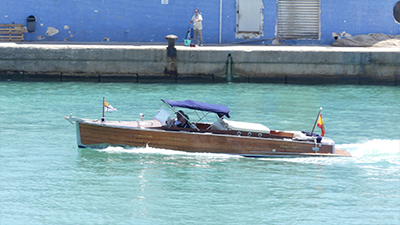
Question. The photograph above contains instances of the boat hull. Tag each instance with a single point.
(95, 134)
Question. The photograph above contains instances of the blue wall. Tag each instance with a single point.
(151, 21)
(357, 17)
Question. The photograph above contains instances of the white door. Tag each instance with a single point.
(249, 16)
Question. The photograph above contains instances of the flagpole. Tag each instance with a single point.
(319, 113)
(103, 106)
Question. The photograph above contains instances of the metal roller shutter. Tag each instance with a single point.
(298, 19)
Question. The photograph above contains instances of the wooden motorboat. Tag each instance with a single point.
(221, 136)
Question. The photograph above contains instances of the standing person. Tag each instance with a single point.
(197, 26)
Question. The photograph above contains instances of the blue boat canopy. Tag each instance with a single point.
(221, 110)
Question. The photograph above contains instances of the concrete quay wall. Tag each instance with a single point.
(150, 63)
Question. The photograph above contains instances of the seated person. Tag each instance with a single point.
(180, 121)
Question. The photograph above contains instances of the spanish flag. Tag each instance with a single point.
(320, 124)
(108, 107)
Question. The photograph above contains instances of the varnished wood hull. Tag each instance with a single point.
(99, 134)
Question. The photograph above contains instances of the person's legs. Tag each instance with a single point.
(196, 32)
(200, 36)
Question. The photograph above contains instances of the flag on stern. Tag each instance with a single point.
(320, 124)
(108, 107)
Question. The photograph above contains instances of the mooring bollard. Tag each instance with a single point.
(171, 50)
(171, 68)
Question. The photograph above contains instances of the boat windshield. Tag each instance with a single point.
(162, 115)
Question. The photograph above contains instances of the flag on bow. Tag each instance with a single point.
(108, 107)
(320, 124)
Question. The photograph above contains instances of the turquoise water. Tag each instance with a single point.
(46, 179)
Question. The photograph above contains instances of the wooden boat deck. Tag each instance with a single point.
(341, 152)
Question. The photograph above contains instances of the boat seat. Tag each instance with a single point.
(217, 125)
(298, 135)
(244, 126)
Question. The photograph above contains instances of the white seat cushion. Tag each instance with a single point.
(244, 126)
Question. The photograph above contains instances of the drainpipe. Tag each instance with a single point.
(220, 21)
(229, 68)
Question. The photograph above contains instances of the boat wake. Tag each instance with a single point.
(373, 148)
(372, 151)
(161, 151)
(138, 150)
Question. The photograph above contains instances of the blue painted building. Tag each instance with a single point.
(302, 22)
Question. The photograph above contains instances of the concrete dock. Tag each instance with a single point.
(144, 63)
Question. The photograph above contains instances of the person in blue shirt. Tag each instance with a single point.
(181, 120)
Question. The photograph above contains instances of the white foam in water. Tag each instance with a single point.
(372, 151)
(373, 148)
(151, 150)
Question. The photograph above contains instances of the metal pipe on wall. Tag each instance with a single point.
(220, 21)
